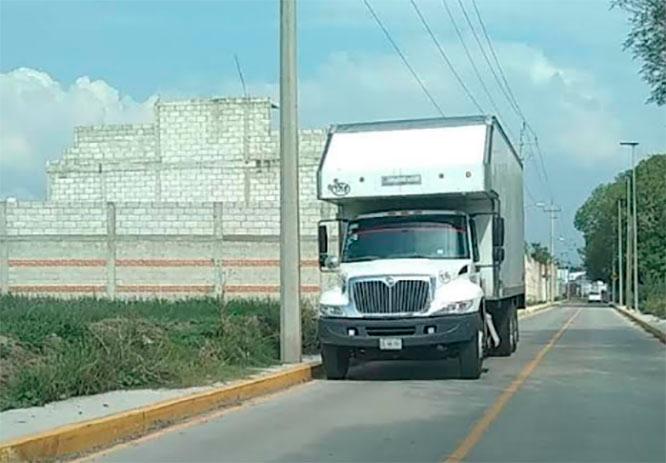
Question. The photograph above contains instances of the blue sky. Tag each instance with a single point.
(64, 63)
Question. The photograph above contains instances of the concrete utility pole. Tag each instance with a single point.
(627, 292)
(634, 208)
(290, 284)
(552, 209)
(620, 300)
(613, 280)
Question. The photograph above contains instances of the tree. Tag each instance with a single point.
(597, 220)
(647, 40)
(540, 253)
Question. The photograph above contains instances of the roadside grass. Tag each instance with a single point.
(652, 295)
(52, 349)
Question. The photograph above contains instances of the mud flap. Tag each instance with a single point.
(493, 332)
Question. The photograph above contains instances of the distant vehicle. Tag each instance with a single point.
(430, 260)
(595, 296)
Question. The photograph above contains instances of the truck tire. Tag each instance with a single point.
(470, 358)
(335, 360)
(507, 329)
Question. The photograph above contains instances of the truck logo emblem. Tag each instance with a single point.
(339, 188)
(390, 281)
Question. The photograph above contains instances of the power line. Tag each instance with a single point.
(483, 51)
(543, 167)
(445, 57)
(402, 57)
(506, 88)
(469, 57)
(529, 193)
(540, 176)
(511, 96)
(240, 75)
(541, 173)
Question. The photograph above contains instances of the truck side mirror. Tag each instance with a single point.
(322, 239)
(498, 254)
(498, 231)
(331, 262)
(328, 239)
(475, 240)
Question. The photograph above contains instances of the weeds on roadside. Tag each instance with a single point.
(53, 349)
(654, 298)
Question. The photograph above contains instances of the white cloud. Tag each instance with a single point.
(37, 117)
(569, 107)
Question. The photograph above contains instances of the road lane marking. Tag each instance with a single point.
(482, 425)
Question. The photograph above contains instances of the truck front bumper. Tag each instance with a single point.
(448, 330)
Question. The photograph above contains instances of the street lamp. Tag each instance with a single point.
(633, 145)
(620, 297)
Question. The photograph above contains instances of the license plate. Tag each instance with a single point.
(390, 343)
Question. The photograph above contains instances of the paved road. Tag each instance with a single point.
(598, 393)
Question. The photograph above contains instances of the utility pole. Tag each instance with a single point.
(290, 285)
(552, 209)
(613, 280)
(620, 300)
(633, 145)
(627, 292)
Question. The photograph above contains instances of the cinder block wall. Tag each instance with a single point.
(201, 150)
(194, 208)
(140, 249)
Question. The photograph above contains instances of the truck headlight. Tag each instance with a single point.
(330, 311)
(458, 307)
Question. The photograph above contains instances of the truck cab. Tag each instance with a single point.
(415, 264)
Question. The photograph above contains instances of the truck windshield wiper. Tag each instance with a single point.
(362, 259)
(411, 256)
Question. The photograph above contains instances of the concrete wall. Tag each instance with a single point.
(148, 249)
(201, 150)
(161, 250)
(536, 286)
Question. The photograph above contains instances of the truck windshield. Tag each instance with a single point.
(426, 237)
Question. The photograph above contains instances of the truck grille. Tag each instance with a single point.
(383, 296)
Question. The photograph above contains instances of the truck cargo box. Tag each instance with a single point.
(458, 163)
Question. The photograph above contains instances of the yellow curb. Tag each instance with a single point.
(653, 330)
(527, 312)
(100, 432)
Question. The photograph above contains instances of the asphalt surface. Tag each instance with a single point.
(598, 393)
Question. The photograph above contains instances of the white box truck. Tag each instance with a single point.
(429, 260)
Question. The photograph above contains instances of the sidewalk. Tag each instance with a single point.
(650, 323)
(27, 421)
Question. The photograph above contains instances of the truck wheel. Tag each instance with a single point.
(470, 358)
(335, 360)
(507, 330)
